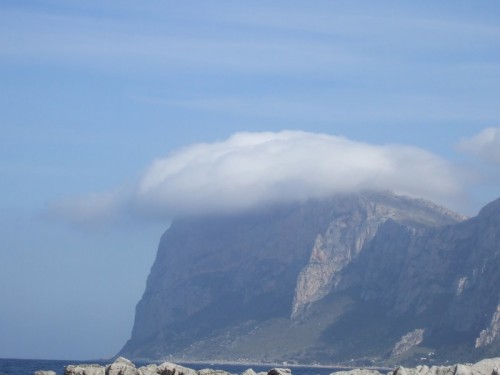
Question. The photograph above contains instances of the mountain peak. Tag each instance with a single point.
(491, 209)
(327, 280)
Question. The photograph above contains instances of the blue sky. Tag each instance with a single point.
(99, 98)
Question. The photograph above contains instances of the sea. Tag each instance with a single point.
(30, 366)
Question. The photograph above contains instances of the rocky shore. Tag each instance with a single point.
(122, 366)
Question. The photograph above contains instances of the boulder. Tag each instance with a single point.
(249, 372)
(484, 367)
(42, 372)
(357, 372)
(425, 370)
(168, 368)
(122, 366)
(487, 366)
(84, 370)
(279, 371)
(149, 369)
(209, 371)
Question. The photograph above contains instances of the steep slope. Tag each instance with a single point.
(349, 233)
(215, 272)
(274, 284)
(440, 282)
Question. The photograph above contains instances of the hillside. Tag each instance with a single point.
(370, 277)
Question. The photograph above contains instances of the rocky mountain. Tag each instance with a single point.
(370, 277)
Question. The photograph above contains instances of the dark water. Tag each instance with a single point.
(29, 366)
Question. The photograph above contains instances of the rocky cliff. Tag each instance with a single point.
(371, 276)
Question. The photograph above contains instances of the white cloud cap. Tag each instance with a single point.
(485, 145)
(255, 169)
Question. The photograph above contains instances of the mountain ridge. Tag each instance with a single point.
(352, 276)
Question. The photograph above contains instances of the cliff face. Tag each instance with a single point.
(348, 234)
(216, 272)
(370, 275)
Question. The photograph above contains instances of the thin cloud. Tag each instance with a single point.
(250, 170)
(485, 145)
(91, 41)
(332, 39)
(93, 211)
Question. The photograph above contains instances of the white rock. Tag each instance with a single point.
(149, 369)
(249, 372)
(84, 370)
(357, 372)
(168, 368)
(488, 335)
(209, 371)
(122, 366)
(484, 367)
(408, 341)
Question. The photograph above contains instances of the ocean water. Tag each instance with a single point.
(29, 366)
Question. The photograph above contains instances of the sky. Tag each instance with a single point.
(118, 116)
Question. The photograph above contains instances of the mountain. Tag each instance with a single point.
(368, 277)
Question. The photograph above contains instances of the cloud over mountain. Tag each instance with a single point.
(255, 169)
(485, 145)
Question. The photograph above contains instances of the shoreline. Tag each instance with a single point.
(267, 364)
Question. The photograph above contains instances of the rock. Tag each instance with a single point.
(484, 367)
(42, 372)
(168, 368)
(279, 371)
(249, 372)
(85, 370)
(149, 369)
(408, 341)
(489, 334)
(487, 366)
(209, 371)
(334, 250)
(424, 370)
(357, 372)
(122, 366)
